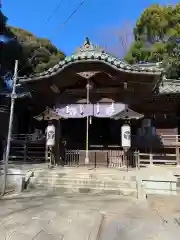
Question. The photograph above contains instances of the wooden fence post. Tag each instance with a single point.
(177, 151)
(137, 160)
(25, 148)
(151, 158)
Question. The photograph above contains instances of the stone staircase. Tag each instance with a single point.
(82, 180)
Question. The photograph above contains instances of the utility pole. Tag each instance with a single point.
(87, 125)
(89, 86)
(13, 97)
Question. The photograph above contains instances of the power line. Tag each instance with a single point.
(71, 15)
(64, 23)
(55, 10)
(48, 19)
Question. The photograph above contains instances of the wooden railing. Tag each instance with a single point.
(170, 140)
(26, 137)
(27, 149)
(168, 152)
(4, 108)
(145, 159)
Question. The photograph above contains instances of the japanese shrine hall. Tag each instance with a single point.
(90, 95)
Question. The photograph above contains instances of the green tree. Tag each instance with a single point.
(34, 54)
(3, 21)
(39, 54)
(156, 37)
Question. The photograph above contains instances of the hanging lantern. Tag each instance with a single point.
(50, 135)
(126, 136)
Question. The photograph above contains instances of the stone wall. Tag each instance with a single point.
(15, 180)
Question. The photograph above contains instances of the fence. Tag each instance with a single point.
(170, 141)
(168, 154)
(100, 158)
(145, 159)
(25, 148)
(28, 148)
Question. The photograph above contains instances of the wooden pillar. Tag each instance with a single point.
(61, 145)
(57, 142)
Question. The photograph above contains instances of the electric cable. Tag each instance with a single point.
(71, 15)
(63, 24)
(54, 12)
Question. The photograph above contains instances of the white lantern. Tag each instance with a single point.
(126, 136)
(50, 135)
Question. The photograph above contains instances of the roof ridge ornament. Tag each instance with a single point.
(88, 46)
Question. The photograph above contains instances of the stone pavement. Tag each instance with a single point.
(158, 218)
(42, 215)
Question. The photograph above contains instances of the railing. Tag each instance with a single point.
(118, 158)
(21, 137)
(4, 108)
(145, 159)
(28, 148)
(26, 137)
(170, 140)
(25, 148)
(103, 158)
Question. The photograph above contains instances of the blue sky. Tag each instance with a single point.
(97, 19)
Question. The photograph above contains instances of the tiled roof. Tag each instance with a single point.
(92, 53)
(169, 86)
(127, 114)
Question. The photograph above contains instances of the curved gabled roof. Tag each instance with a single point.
(92, 53)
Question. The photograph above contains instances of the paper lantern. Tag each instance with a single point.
(126, 136)
(50, 135)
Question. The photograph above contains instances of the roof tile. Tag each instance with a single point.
(90, 51)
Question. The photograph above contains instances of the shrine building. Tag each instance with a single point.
(89, 96)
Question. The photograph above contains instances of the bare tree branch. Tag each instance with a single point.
(117, 40)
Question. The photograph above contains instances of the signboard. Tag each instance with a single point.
(74, 110)
(126, 136)
(103, 110)
(50, 135)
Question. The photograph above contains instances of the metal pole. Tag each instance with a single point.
(87, 127)
(13, 97)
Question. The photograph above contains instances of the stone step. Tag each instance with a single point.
(84, 175)
(104, 186)
(76, 178)
(76, 171)
(107, 172)
(87, 176)
(83, 182)
(88, 190)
